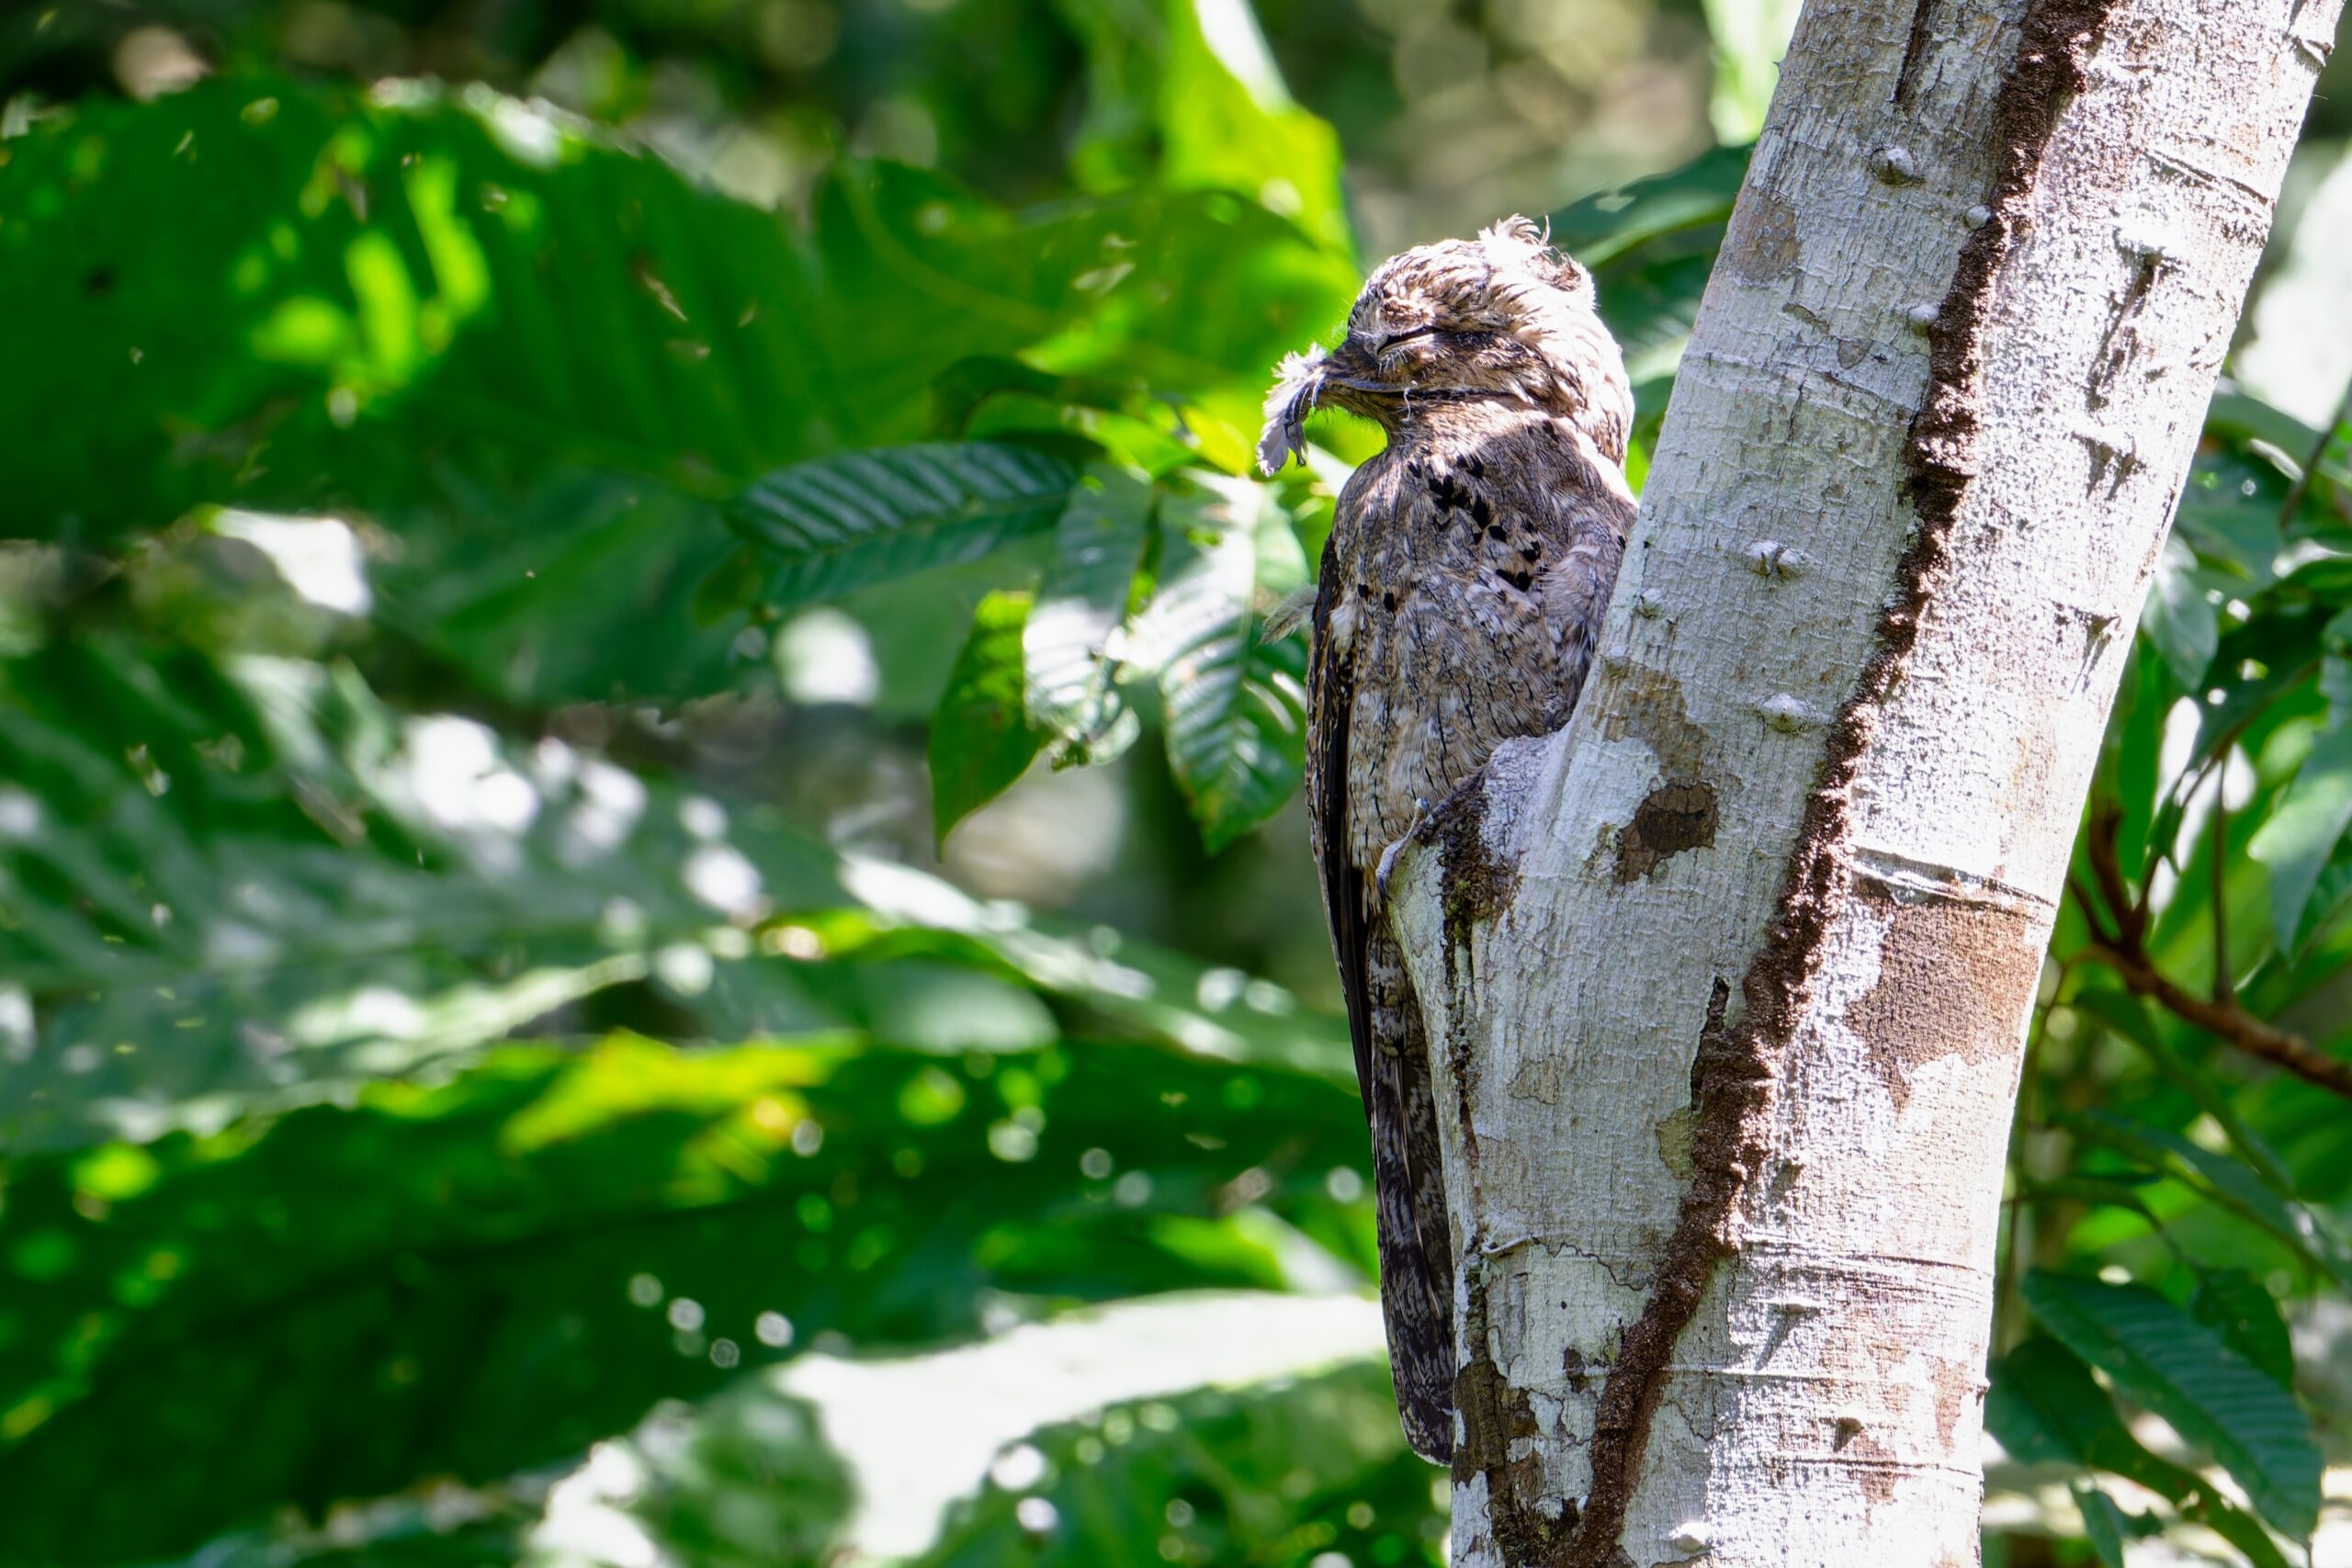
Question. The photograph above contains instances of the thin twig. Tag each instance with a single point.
(2231, 1024)
(2084, 901)
(2193, 779)
(2131, 918)
(2302, 487)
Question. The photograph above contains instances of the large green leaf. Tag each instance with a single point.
(1071, 660)
(518, 588)
(2305, 828)
(1651, 246)
(1696, 196)
(2241, 1309)
(1259, 1476)
(832, 525)
(466, 1279)
(1234, 703)
(2162, 1358)
(980, 739)
(2045, 1407)
(1187, 94)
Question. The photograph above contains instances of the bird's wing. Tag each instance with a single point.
(1392, 1059)
(1330, 695)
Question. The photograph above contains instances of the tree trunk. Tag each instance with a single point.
(1729, 982)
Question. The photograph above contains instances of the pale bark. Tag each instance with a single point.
(1814, 814)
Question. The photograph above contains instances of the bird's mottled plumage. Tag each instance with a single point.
(1460, 596)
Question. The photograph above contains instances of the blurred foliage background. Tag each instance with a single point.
(652, 910)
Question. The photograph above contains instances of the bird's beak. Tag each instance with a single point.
(1299, 385)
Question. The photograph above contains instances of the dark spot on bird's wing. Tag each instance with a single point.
(1479, 509)
(1529, 549)
(1494, 532)
(1388, 599)
(1523, 580)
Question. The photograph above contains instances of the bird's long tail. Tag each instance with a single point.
(1415, 1238)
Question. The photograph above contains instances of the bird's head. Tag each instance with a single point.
(1501, 317)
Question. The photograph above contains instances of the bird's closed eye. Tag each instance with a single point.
(1395, 338)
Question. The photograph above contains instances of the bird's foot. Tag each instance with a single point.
(1388, 856)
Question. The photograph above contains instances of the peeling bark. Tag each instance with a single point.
(1730, 979)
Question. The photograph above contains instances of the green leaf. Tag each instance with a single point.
(2127, 1015)
(980, 739)
(1260, 1474)
(837, 524)
(2305, 827)
(2235, 415)
(2241, 1308)
(1235, 706)
(2240, 1187)
(365, 289)
(1071, 660)
(2178, 620)
(2182, 1371)
(2229, 515)
(519, 588)
(1228, 121)
(1650, 246)
(2136, 731)
(2103, 1523)
(1187, 95)
(1750, 37)
(2045, 1407)
(1698, 195)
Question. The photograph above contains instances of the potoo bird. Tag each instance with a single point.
(1459, 599)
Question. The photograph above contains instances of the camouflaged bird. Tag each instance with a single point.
(1458, 602)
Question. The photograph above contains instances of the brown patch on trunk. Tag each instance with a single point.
(1952, 981)
(1494, 1415)
(1542, 1079)
(1671, 818)
(1878, 1482)
(1737, 1067)
(1648, 704)
(1478, 884)
(1958, 1385)
(1762, 242)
